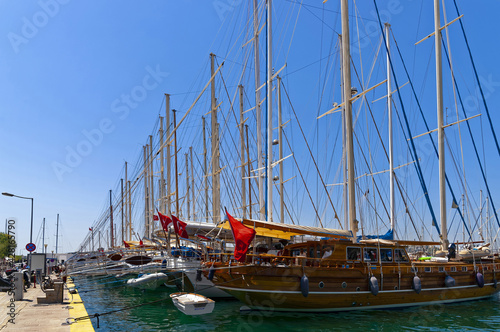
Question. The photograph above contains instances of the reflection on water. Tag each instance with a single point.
(102, 295)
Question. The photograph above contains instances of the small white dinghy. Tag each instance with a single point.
(192, 304)
(148, 281)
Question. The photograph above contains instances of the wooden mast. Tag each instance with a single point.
(269, 113)
(346, 69)
(176, 169)
(258, 110)
(391, 147)
(169, 175)
(215, 148)
(188, 207)
(146, 189)
(205, 167)
(242, 155)
(111, 226)
(122, 212)
(192, 184)
(439, 100)
(280, 157)
(151, 189)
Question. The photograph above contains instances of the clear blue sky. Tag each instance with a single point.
(66, 65)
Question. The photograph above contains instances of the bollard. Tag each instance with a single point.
(18, 286)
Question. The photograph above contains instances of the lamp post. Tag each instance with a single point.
(31, 228)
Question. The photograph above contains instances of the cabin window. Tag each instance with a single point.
(370, 255)
(353, 254)
(464, 268)
(453, 269)
(386, 255)
(400, 255)
(428, 269)
(311, 251)
(441, 269)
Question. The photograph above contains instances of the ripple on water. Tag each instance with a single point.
(106, 295)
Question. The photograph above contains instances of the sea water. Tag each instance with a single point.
(124, 308)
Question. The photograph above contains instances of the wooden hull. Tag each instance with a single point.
(340, 289)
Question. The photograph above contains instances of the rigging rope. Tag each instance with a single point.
(412, 144)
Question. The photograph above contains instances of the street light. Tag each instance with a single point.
(31, 229)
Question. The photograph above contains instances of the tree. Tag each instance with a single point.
(8, 245)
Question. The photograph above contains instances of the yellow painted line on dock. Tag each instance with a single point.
(78, 311)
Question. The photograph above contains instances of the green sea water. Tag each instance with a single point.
(103, 295)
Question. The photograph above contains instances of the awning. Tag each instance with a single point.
(285, 231)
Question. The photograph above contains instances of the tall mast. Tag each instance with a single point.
(146, 189)
(126, 200)
(280, 141)
(43, 237)
(346, 69)
(391, 148)
(169, 175)
(249, 178)
(344, 152)
(176, 169)
(258, 111)
(188, 207)
(57, 233)
(129, 191)
(151, 185)
(269, 112)
(242, 156)
(122, 207)
(192, 183)
(162, 168)
(205, 167)
(439, 99)
(111, 226)
(215, 149)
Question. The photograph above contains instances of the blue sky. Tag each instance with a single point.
(67, 66)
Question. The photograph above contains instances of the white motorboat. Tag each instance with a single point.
(148, 281)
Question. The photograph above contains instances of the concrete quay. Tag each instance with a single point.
(34, 317)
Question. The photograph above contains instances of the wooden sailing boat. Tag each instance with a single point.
(345, 274)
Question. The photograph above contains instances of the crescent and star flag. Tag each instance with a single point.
(165, 221)
(126, 244)
(180, 227)
(155, 217)
(243, 236)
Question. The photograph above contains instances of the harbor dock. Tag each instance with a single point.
(31, 316)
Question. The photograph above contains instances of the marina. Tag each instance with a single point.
(250, 205)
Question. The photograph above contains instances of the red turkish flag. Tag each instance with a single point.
(155, 217)
(165, 221)
(180, 227)
(126, 244)
(243, 236)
